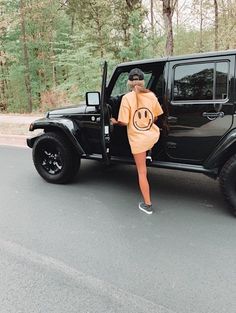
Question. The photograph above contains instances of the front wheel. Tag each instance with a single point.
(228, 182)
(55, 159)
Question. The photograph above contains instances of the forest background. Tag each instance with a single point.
(52, 51)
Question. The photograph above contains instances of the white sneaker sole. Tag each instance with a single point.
(147, 212)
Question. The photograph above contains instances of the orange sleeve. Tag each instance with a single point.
(124, 112)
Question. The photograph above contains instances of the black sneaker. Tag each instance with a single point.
(147, 208)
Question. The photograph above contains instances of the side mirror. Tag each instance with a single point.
(93, 98)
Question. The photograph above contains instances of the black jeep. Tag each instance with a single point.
(198, 128)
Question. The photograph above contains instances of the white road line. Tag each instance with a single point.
(78, 277)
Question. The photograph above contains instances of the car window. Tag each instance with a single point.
(201, 81)
(121, 87)
(221, 89)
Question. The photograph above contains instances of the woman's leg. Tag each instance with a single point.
(140, 161)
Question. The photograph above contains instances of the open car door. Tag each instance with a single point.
(105, 119)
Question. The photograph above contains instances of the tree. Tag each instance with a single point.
(216, 23)
(138, 42)
(26, 56)
(203, 11)
(168, 7)
(51, 47)
(227, 23)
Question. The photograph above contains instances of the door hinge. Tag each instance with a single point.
(171, 145)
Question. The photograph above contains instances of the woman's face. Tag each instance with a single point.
(132, 84)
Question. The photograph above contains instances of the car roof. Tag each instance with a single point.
(179, 57)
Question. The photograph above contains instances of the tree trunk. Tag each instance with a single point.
(231, 22)
(168, 9)
(177, 16)
(152, 16)
(26, 58)
(224, 31)
(3, 98)
(100, 38)
(72, 23)
(153, 45)
(216, 23)
(201, 27)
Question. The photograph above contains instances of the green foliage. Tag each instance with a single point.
(186, 41)
(66, 43)
(79, 71)
(138, 43)
(17, 93)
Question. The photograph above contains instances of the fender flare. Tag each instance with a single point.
(66, 126)
(224, 150)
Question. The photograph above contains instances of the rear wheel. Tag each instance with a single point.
(228, 182)
(55, 159)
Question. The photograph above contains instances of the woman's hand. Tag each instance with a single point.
(113, 121)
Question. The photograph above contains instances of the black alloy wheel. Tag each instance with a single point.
(55, 159)
(51, 160)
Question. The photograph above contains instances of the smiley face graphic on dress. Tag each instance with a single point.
(143, 119)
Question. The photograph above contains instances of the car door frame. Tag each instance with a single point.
(105, 118)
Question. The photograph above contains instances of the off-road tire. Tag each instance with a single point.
(55, 159)
(228, 183)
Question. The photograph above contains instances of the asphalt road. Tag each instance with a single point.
(85, 247)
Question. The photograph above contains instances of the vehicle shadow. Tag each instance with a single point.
(176, 186)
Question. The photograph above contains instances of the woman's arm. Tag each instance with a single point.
(115, 122)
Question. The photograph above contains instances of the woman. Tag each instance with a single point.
(139, 110)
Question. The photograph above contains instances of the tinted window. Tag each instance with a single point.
(202, 81)
(222, 70)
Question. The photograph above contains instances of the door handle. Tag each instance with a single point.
(172, 119)
(213, 115)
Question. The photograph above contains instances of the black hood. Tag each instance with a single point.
(72, 110)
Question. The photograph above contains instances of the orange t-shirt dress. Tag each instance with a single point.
(138, 111)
